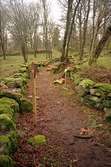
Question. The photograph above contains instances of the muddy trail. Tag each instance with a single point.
(59, 117)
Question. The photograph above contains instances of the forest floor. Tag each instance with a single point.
(60, 117)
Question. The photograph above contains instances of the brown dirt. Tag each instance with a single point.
(59, 118)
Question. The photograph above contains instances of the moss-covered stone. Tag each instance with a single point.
(15, 96)
(6, 161)
(37, 140)
(8, 143)
(103, 87)
(10, 102)
(26, 105)
(6, 123)
(92, 101)
(23, 70)
(86, 83)
(107, 103)
(5, 109)
(16, 82)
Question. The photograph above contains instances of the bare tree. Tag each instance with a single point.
(86, 6)
(19, 25)
(3, 29)
(101, 45)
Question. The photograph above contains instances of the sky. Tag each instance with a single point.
(55, 9)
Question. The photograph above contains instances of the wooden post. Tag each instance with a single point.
(34, 77)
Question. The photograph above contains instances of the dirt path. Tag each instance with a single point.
(59, 119)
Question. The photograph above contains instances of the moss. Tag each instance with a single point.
(25, 106)
(8, 143)
(92, 101)
(6, 123)
(86, 83)
(6, 161)
(107, 103)
(18, 82)
(37, 140)
(23, 70)
(105, 87)
(15, 96)
(20, 75)
(10, 102)
(5, 109)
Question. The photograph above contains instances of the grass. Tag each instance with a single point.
(104, 62)
(12, 63)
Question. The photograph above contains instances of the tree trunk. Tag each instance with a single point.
(84, 32)
(2, 41)
(100, 45)
(71, 29)
(23, 50)
(69, 10)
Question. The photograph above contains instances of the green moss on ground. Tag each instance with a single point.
(6, 161)
(37, 140)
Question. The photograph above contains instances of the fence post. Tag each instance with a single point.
(34, 77)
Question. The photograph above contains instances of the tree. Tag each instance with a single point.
(34, 11)
(55, 38)
(19, 24)
(71, 13)
(101, 45)
(3, 29)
